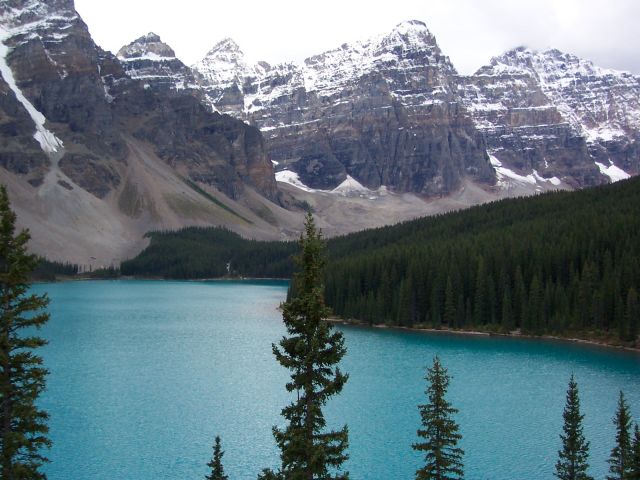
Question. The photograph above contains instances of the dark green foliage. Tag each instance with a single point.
(310, 351)
(205, 252)
(217, 470)
(23, 427)
(620, 459)
(560, 263)
(573, 458)
(443, 459)
(634, 468)
(48, 270)
(214, 200)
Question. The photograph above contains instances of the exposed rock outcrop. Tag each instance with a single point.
(557, 114)
(383, 111)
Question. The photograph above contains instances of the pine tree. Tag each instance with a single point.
(440, 432)
(572, 462)
(217, 470)
(634, 468)
(620, 454)
(23, 427)
(632, 314)
(311, 352)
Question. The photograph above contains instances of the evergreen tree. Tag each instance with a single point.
(634, 469)
(23, 427)
(632, 313)
(572, 462)
(217, 470)
(619, 461)
(311, 352)
(440, 432)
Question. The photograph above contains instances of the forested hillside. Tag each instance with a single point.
(563, 262)
(557, 263)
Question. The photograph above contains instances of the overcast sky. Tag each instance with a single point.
(470, 32)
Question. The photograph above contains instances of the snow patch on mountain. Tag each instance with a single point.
(614, 173)
(292, 178)
(47, 140)
(507, 176)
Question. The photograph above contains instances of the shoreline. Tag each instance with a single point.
(358, 323)
(80, 278)
(478, 333)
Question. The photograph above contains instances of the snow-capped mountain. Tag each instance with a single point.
(225, 72)
(538, 114)
(154, 62)
(382, 111)
(557, 113)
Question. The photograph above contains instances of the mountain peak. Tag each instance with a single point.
(226, 45)
(412, 32)
(149, 45)
(417, 25)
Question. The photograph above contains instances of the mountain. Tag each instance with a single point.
(557, 114)
(154, 62)
(98, 149)
(94, 157)
(383, 111)
(393, 111)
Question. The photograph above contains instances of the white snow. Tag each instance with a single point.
(506, 176)
(292, 178)
(351, 186)
(326, 74)
(614, 173)
(154, 57)
(47, 140)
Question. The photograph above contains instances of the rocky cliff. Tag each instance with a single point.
(383, 111)
(80, 131)
(557, 114)
(393, 111)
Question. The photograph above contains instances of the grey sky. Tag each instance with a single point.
(469, 31)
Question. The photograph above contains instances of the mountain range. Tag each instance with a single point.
(97, 149)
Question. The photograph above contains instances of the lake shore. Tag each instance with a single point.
(478, 333)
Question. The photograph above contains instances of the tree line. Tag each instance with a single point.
(565, 263)
(311, 351)
(560, 263)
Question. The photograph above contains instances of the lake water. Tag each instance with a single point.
(144, 374)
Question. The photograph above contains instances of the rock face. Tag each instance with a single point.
(154, 63)
(557, 114)
(393, 111)
(383, 111)
(90, 102)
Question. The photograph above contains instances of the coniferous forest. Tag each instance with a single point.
(559, 263)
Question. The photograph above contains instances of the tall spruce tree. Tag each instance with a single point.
(572, 462)
(23, 427)
(443, 458)
(619, 461)
(217, 470)
(311, 352)
(634, 469)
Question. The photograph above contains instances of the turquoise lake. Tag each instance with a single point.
(144, 374)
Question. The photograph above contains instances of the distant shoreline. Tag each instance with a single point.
(477, 333)
(81, 278)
